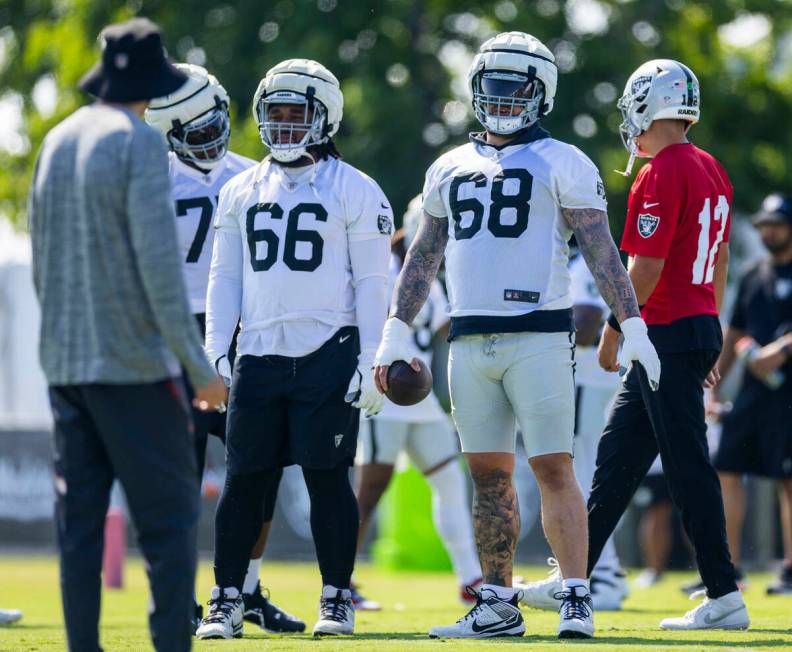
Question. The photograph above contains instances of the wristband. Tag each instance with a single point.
(614, 323)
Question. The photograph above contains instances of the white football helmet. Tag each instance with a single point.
(194, 119)
(412, 219)
(659, 89)
(301, 82)
(512, 70)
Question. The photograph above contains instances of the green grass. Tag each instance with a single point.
(413, 603)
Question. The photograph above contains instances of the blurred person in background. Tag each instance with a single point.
(115, 325)
(757, 432)
(423, 431)
(655, 531)
(195, 123)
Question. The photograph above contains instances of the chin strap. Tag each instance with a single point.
(630, 161)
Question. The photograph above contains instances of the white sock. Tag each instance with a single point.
(608, 560)
(252, 577)
(503, 592)
(451, 515)
(572, 582)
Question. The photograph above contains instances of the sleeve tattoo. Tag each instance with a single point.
(599, 250)
(420, 268)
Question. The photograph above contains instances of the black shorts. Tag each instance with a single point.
(284, 411)
(657, 489)
(757, 436)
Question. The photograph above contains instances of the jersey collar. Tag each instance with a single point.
(204, 177)
(529, 135)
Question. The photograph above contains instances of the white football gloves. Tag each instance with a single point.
(638, 347)
(395, 343)
(362, 392)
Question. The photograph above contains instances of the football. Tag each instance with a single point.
(406, 386)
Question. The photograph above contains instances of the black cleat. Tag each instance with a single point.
(261, 612)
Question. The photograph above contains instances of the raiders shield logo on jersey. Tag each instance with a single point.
(647, 224)
(384, 224)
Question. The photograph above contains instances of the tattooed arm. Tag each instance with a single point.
(599, 250)
(420, 268)
(412, 289)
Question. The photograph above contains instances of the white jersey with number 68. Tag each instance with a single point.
(507, 251)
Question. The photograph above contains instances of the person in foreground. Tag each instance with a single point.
(195, 122)
(676, 235)
(505, 205)
(115, 328)
(301, 254)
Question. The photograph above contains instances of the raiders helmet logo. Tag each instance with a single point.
(647, 224)
(384, 224)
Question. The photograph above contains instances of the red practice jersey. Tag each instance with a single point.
(678, 210)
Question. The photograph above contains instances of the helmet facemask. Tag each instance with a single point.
(505, 101)
(289, 140)
(203, 141)
(631, 107)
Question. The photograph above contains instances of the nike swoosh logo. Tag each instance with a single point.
(711, 621)
(648, 205)
(495, 627)
(343, 338)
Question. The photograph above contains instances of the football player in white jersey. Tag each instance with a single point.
(595, 389)
(423, 431)
(300, 261)
(502, 209)
(195, 123)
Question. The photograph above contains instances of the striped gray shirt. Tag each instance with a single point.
(105, 260)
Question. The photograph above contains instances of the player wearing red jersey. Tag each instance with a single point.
(676, 236)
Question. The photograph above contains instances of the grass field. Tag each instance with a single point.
(413, 603)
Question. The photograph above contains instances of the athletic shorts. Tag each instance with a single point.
(284, 411)
(500, 380)
(426, 444)
(655, 487)
(756, 437)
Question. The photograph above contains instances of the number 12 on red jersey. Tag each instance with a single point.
(704, 265)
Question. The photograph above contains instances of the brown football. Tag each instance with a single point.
(408, 387)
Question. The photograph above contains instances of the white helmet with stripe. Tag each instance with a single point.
(194, 119)
(661, 89)
(308, 84)
(513, 79)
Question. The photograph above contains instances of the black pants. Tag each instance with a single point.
(629, 445)
(142, 435)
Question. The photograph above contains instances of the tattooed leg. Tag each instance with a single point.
(496, 514)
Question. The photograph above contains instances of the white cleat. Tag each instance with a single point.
(726, 612)
(607, 589)
(336, 613)
(489, 618)
(541, 594)
(577, 613)
(8, 616)
(647, 578)
(225, 617)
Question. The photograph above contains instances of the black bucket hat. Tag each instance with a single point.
(776, 208)
(133, 66)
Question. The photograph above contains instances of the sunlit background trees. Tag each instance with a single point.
(402, 66)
